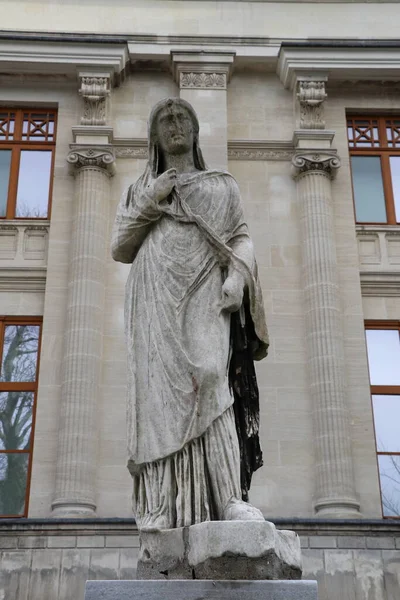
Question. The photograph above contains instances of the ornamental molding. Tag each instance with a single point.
(137, 148)
(95, 90)
(203, 80)
(324, 163)
(311, 96)
(93, 158)
(380, 283)
(4, 227)
(23, 279)
(259, 150)
(202, 70)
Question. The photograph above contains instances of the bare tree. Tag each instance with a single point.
(19, 364)
(390, 484)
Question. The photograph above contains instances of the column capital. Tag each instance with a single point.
(95, 89)
(326, 163)
(95, 157)
(202, 70)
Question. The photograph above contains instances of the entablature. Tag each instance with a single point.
(293, 60)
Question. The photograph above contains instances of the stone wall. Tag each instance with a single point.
(51, 560)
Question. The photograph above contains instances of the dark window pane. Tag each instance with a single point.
(20, 353)
(5, 161)
(389, 472)
(383, 347)
(13, 479)
(387, 423)
(368, 189)
(15, 420)
(395, 172)
(33, 183)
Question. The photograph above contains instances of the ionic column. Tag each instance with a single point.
(93, 165)
(203, 79)
(315, 164)
(335, 494)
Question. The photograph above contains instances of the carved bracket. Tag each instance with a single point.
(311, 96)
(94, 91)
(95, 158)
(326, 163)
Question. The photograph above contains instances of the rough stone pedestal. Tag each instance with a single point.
(233, 550)
(206, 590)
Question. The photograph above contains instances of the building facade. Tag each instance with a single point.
(300, 101)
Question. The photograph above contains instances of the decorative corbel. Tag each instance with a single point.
(311, 96)
(95, 91)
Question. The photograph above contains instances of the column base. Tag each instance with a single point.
(65, 509)
(338, 508)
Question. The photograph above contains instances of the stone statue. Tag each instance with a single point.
(194, 322)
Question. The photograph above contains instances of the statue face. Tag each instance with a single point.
(174, 130)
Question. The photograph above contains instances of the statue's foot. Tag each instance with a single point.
(238, 510)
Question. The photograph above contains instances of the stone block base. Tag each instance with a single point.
(206, 590)
(229, 550)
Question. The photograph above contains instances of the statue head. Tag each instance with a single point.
(173, 129)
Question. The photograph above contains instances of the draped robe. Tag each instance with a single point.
(178, 338)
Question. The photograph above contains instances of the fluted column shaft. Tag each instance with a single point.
(75, 490)
(335, 490)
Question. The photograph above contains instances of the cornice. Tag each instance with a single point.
(66, 53)
(44, 58)
(365, 63)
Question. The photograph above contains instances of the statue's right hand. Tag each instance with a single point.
(163, 185)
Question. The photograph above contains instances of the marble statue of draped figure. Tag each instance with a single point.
(194, 322)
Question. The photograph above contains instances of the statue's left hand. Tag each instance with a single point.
(232, 292)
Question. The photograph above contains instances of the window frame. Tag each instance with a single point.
(384, 151)
(17, 145)
(22, 386)
(382, 390)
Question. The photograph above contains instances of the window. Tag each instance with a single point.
(383, 345)
(27, 141)
(19, 358)
(374, 145)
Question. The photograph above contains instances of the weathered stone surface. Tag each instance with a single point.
(192, 590)
(193, 460)
(220, 550)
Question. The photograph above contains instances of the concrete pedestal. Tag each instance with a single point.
(193, 590)
(220, 550)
